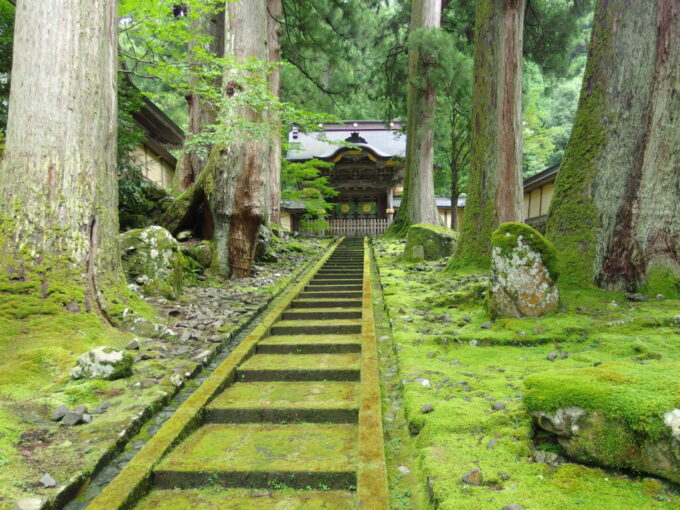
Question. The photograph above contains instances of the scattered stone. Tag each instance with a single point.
(552, 356)
(133, 345)
(523, 276)
(513, 506)
(503, 476)
(59, 413)
(563, 355)
(491, 444)
(498, 406)
(103, 363)
(474, 477)
(466, 319)
(427, 408)
(637, 297)
(431, 355)
(660, 297)
(184, 235)
(404, 470)
(87, 418)
(486, 325)
(429, 242)
(383, 338)
(47, 481)
(72, 418)
(29, 504)
(203, 357)
(201, 253)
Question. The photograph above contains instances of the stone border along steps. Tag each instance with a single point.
(294, 410)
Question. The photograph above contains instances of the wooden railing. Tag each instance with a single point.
(355, 227)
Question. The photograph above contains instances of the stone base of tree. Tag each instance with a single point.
(429, 242)
(523, 278)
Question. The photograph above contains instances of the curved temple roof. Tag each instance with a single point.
(385, 140)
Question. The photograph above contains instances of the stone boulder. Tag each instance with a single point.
(617, 415)
(523, 276)
(429, 242)
(103, 363)
(201, 253)
(153, 261)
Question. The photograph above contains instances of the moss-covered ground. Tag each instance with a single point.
(40, 342)
(451, 356)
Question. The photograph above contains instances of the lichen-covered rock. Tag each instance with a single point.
(429, 242)
(103, 363)
(618, 415)
(153, 261)
(201, 253)
(523, 277)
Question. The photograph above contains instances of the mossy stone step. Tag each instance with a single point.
(309, 295)
(326, 303)
(312, 327)
(301, 367)
(219, 498)
(338, 288)
(286, 402)
(322, 313)
(263, 456)
(338, 275)
(309, 344)
(337, 281)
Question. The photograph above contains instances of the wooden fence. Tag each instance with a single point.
(355, 227)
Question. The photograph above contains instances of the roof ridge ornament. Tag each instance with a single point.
(355, 138)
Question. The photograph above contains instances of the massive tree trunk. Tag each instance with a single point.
(232, 189)
(615, 217)
(418, 203)
(58, 193)
(494, 193)
(201, 113)
(275, 9)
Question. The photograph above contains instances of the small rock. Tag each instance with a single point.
(466, 319)
(203, 357)
(87, 418)
(59, 413)
(513, 506)
(660, 297)
(474, 477)
(404, 470)
(503, 476)
(427, 408)
(540, 457)
(491, 444)
(184, 235)
(47, 481)
(486, 325)
(72, 418)
(133, 345)
(552, 356)
(563, 355)
(29, 504)
(431, 355)
(498, 406)
(383, 338)
(636, 297)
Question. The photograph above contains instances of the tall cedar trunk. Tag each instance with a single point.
(58, 192)
(201, 113)
(418, 202)
(422, 206)
(616, 215)
(238, 200)
(495, 187)
(275, 9)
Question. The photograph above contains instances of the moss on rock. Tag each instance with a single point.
(507, 237)
(429, 242)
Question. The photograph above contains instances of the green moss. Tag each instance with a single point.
(435, 241)
(507, 239)
(593, 326)
(661, 280)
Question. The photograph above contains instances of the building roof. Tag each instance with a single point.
(442, 202)
(383, 139)
(541, 178)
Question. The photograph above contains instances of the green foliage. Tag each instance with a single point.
(304, 182)
(6, 40)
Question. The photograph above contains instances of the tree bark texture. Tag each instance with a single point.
(275, 10)
(615, 216)
(494, 194)
(58, 192)
(201, 113)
